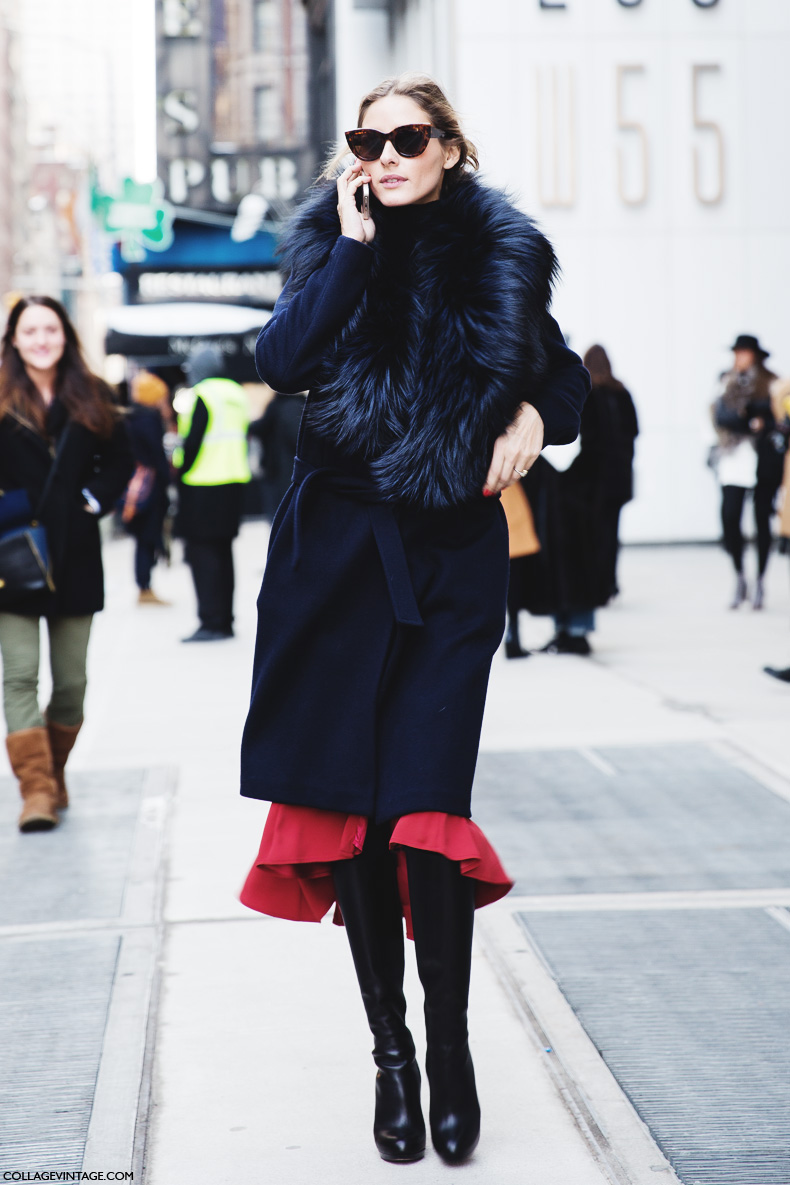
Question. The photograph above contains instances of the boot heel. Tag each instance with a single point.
(399, 1128)
(455, 1110)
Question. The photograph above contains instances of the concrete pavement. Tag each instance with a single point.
(235, 1047)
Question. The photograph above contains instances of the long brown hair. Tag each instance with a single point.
(85, 396)
(597, 362)
(428, 95)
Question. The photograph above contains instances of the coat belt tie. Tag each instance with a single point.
(307, 478)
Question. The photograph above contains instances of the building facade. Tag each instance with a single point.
(650, 141)
(232, 93)
(10, 148)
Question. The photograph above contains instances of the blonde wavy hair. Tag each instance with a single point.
(430, 97)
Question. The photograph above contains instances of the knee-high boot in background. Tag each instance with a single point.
(442, 906)
(61, 742)
(367, 892)
(31, 761)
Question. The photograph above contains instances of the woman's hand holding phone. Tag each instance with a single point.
(353, 222)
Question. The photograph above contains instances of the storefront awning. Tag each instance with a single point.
(167, 334)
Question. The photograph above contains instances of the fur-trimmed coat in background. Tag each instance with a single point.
(383, 599)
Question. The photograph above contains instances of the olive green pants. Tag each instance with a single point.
(20, 644)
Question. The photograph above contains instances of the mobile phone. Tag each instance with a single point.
(366, 201)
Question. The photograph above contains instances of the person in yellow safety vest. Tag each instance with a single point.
(213, 470)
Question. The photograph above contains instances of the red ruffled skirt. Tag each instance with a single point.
(292, 875)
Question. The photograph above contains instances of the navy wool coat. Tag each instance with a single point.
(383, 599)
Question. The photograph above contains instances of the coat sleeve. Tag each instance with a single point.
(113, 466)
(628, 412)
(566, 385)
(291, 345)
(194, 438)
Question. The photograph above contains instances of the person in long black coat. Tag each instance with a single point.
(54, 414)
(605, 465)
(435, 375)
(146, 502)
(577, 514)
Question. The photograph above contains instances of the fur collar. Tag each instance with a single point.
(444, 345)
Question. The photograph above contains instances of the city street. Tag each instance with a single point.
(456, 233)
(629, 1015)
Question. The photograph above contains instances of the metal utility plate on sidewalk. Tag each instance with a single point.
(690, 1011)
(645, 877)
(636, 819)
(79, 914)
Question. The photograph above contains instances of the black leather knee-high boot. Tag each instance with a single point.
(367, 892)
(442, 906)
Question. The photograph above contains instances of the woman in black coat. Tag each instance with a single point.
(63, 443)
(605, 464)
(419, 332)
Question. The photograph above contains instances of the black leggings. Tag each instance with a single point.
(732, 500)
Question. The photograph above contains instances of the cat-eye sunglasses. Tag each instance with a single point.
(411, 139)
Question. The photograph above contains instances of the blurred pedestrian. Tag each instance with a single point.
(145, 503)
(780, 404)
(277, 430)
(63, 443)
(747, 459)
(608, 432)
(213, 469)
(564, 578)
(523, 542)
(573, 571)
(415, 328)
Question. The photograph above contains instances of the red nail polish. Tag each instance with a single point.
(488, 493)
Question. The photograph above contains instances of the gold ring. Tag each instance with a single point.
(521, 472)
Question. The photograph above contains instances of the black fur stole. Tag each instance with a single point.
(443, 347)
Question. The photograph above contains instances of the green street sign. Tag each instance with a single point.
(139, 217)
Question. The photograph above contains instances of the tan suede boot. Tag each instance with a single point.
(61, 742)
(31, 761)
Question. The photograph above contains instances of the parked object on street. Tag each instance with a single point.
(749, 458)
(62, 442)
(213, 470)
(383, 599)
(145, 502)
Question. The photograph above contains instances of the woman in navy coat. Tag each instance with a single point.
(435, 376)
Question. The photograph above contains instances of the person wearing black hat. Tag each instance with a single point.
(747, 457)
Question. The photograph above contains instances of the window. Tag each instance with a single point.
(267, 26)
(268, 115)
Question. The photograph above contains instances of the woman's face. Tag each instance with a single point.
(405, 180)
(744, 360)
(39, 337)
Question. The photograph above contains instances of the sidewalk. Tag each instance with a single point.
(640, 799)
